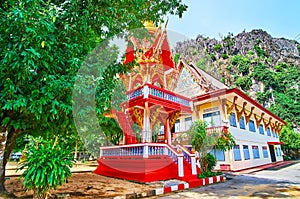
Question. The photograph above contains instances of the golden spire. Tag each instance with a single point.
(150, 26)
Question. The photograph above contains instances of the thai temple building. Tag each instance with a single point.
(169, 96)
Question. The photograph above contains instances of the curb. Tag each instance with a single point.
(164, 190)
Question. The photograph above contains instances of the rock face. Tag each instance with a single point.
(279, 49)
(251, 61)
(211, 54)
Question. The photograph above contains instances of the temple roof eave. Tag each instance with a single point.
(241, 97)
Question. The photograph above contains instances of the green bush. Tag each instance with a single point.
(298, 49)
(244, 82)
(212, 56)
(201, 63)
(259, 51)
(176, 58)
(224, 56)
(218, 47)
(242, 63)
(209, 162)
(263, 96)
(222, 80)
(262, 73)
(47, 165)
(209, 174)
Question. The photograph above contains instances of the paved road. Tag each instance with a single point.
(282, 183)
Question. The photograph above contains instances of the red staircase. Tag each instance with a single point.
(189, 177)
(124, 123)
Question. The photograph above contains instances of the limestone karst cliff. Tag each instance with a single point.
(266, 68)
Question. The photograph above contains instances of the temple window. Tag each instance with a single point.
(269, 132)
(188, 123)
(255, 152)
(161, 130)
(237, 153)
(177, 126)
(212, 119)
(246, 152)
(242, 123)
(265, 152)
(261, 129)
(252, 126)
(232, 119)
(218, 154)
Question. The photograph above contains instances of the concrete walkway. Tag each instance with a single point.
(273, 166)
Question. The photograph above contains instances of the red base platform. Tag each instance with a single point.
(137, 168)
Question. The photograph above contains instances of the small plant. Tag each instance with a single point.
(259, 51)
(244, 82)
(212, 56)
(218, 47)
(208, 162)
(47, 166)
(209, 174)
(224, 56)
(176, 58)
(222, 80)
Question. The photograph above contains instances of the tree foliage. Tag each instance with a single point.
(204, 140)
(43, 45)
(290, 139)
(242, 63)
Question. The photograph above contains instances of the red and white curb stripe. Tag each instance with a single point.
(164, 190)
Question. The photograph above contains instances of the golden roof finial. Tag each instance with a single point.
(150, 26)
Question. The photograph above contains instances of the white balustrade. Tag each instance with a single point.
(152, 90)
(189, 157)
(144, 150)
(135, 94)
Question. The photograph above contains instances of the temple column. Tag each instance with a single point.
(167, 131)
(146, 137)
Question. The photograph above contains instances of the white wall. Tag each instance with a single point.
(246, 137)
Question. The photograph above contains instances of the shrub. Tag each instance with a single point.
(209, 174)
(47, 166)
(242, 63)
(208, 162)
(224, 56)
(222, 80)
(259, 51)
(218, 47)
(176, 58)
(212, 56)
(201, 63)
(244, 82)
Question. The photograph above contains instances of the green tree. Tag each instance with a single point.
(244, 82)
(290, 139)
(242, 63)
(204, 141)
(43, 44)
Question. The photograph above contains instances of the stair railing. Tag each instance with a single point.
(189, 157)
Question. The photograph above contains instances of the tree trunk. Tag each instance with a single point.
(7, 142)
(76, 150)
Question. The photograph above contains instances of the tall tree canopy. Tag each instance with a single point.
(42, 46)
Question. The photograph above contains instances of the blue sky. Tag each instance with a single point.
(280, 18)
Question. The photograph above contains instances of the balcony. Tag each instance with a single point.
(159, 96)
